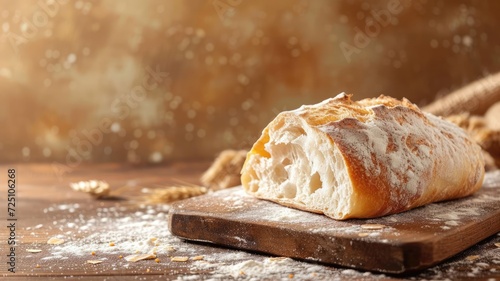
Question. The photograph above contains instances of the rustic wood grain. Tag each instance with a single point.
(411, 241)
(40, 189)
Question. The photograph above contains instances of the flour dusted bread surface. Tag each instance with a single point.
(362, 159)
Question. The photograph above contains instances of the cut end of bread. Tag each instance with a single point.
(299, 168)
(299, 172)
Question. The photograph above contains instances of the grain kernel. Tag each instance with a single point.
(33, 250)
(179, 259)
(197, 258)
(55, 241)
(372, 226)
(472, 258)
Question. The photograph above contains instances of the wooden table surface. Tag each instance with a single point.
(108, 230)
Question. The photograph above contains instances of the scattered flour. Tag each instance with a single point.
(128, 234)
(144, 229)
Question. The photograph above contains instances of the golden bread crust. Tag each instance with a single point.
(396, 156)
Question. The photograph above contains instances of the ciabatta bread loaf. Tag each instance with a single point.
(362, 159)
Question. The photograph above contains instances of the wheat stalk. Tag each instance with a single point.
(225, 170)
(474, 98)
(174, 193)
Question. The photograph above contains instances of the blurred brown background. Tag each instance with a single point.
(158, 81)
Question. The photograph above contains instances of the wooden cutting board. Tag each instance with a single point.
(409, 241)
